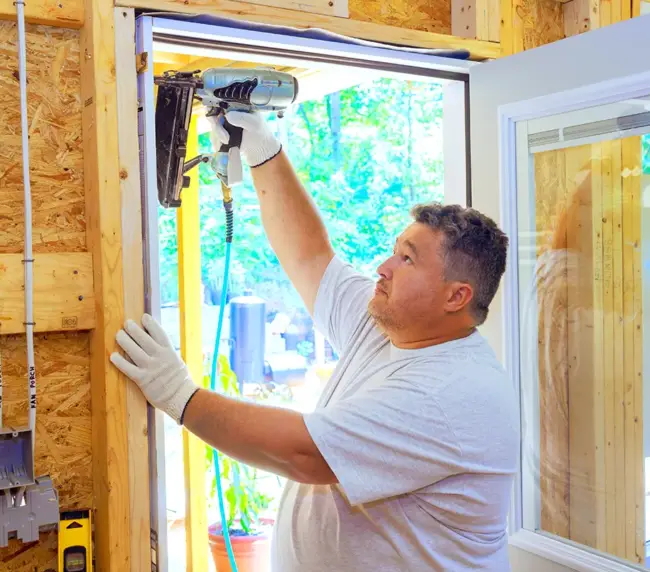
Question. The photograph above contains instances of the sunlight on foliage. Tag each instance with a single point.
(365, 154)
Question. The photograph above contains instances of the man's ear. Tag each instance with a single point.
(460, 295)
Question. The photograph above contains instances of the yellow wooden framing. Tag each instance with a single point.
(110, 432)
(189, 282)
(133, 276)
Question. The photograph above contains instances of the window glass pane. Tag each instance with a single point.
(583, 227)
(366, 154)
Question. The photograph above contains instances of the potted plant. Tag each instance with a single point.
(248, 530)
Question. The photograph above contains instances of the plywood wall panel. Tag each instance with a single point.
(18, 557)
(426, 15)
(541, 22)
(63, 422)
(54, 110)
(63, 428)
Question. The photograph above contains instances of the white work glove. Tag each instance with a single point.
(258, 144)
(160, 373)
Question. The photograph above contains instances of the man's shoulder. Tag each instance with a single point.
(457, 357)
(466, 371)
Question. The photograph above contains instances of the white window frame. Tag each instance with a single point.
(554, 549)
(456, 167)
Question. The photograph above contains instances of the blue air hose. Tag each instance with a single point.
(222, 308)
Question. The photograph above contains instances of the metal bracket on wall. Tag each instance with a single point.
(141, 62)
(26, 503)
(24, 510)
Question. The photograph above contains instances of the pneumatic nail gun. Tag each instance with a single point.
(219, 90)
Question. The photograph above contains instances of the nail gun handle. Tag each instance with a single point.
(236, 134)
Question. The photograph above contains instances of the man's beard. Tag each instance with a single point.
(385, 321)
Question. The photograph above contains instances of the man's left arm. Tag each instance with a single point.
(270, 438)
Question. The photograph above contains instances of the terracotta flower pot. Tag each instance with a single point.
(251, 552)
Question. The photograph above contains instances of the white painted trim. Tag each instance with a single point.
(526, 294)
(454, 144)
(568, 554)
(508, 207)
(575, 556)
(236, 36)
(589, 115)
(601, 93)
(146, 122)
(146, 127)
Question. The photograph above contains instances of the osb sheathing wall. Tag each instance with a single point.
(426, 15)
(63, 422)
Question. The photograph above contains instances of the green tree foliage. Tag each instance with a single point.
(366, 155)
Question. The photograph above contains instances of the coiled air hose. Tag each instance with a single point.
(227, 205)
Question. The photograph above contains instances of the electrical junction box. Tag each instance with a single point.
(16, 458)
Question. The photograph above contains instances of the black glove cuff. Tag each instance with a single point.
(180, 421)
(269, 159)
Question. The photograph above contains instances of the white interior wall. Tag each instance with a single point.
(604, 54)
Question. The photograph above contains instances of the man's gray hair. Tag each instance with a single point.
(475, 250)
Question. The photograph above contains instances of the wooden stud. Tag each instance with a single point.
(465, 21)
(338, 8)
(127, 113)
(608, 344)
(104, 228)
(491, 33)
(480, 19)
(635, 458)
(189, 293)
(617, 342)
(576, 17)
(584, 244)
(61, 13)
(506, 32)
(527, 24)
(64, 299)
(479, 50)
(626, 9)
(553, 331)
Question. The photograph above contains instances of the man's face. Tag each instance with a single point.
(412, 297)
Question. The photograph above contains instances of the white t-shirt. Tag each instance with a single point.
(424, 444)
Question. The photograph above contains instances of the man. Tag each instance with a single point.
(407, 463)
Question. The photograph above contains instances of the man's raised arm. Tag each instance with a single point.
(290, 218)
